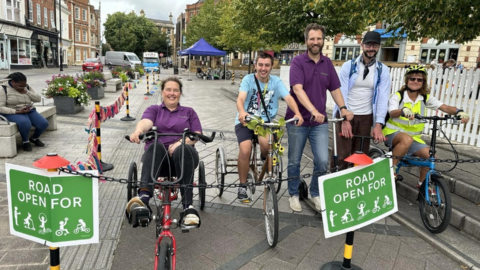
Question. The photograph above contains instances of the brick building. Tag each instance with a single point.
(84, 28)
(167, 28)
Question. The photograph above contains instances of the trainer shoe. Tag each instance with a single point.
(316, 201)
(191, 219)
(295, 204)
(242, 193)
(37, 142)
(27, 147)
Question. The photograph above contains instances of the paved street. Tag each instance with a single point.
(232, 234)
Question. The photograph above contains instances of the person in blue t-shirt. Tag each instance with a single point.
(249, 103)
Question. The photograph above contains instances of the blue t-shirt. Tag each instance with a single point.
(253, 104)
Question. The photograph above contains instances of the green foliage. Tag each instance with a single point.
(140, 70)
(205, 25)
(93, 79)
(257, 125)
(158, 43)
(128, 32)
(123, 76)
(67, 86)
(443, 20)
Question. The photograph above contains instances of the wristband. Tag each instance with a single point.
(343, 107)
(459, 110)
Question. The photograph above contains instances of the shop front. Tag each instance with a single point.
(15, 44)
(44, 49)
(289, 52)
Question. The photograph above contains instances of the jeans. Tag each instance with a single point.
(297, 138)
(170, 166)
(25, 121)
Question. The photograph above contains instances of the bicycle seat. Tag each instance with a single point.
(139, 216)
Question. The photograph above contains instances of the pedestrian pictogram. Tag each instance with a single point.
(358, 196)
(52, 209)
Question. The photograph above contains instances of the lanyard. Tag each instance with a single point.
(264, 93)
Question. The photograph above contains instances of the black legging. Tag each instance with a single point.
(190, 163)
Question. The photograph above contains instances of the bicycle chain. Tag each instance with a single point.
(248, 184)
(261, 183)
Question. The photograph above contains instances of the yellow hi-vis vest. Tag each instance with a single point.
(403, 124)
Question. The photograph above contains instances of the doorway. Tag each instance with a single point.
(3, 55)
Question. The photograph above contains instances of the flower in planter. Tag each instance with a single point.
(93, 79)
(67, 86)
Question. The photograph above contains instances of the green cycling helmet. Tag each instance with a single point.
(417, 69)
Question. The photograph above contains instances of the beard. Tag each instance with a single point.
(313, 49)
(365, 53)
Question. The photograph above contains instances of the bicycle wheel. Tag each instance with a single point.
(270, 207)
(199, 75)
(163, 258)
(277, 172)
(201, 181)
(436, 212)
(228, 75)
(375, 153)
(251, 180)
(132, 183)
(219, 176)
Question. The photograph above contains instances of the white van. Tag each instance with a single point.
(113, 58)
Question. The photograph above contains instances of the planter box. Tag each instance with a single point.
(67, 105)
(96, 92)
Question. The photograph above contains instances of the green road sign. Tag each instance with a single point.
(358, 196)
(52, 209)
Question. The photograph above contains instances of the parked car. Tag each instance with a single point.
(113, 58)
(92, 64)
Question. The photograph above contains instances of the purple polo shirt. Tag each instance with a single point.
(174, 121)
(316, 78)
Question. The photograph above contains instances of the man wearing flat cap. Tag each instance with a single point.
(366, 88)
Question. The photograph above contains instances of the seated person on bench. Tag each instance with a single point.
(168, 117)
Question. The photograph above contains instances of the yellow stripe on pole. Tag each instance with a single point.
(347, 253)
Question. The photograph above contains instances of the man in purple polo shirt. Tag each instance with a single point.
(311, 75)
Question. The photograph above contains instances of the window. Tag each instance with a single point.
(77, 55)
(84, 36)
(52, 19)
(168, 32)
(13, 10)
(45, 17)
(77, 35)
(84, 54)
(20, 51)
(346, 53)
(30, 10)
(84, 14)
(77, 13)
(62, 24)
(39, 16)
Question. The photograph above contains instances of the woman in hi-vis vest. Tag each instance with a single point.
(402, 130)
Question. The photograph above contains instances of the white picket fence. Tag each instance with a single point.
(453, 88)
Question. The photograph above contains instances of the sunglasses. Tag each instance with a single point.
(417, 79)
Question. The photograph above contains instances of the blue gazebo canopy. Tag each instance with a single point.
(201, 47)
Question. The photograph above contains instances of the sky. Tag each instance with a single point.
(154, 9)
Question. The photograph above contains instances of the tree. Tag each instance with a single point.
(128, 32)
(443, 20)
(286, 19)
(205, 25)
(158, 43)
(239, 34)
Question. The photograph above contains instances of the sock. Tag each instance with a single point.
(144, 199)
(26, 142)
(33, 139)
(420, 183)
(243, 185)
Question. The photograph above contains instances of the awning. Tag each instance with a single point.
(391, 33)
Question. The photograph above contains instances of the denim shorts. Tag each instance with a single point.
(415, 147)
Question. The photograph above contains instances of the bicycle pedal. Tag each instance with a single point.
(140, 216)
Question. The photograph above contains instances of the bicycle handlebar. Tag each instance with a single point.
(272, 125)
(192, 135)
(334, 120)
(438, 118)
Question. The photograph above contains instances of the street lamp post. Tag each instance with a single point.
(61, 26)
(168, 44)
(7, 52)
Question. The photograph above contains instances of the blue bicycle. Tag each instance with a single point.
(435, 203)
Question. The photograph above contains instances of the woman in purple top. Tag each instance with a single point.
(169, 117)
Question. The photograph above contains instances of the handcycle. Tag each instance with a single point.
(270, 175)
(434, 198)
(166, 191)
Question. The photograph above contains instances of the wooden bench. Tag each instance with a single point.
(10, 137)
(113, 85)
